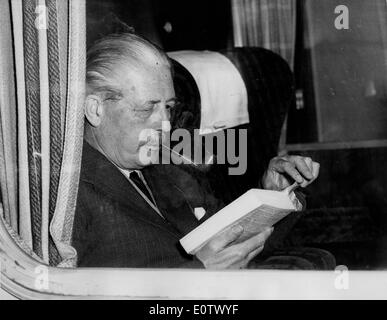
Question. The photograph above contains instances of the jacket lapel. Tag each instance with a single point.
(104, 175)
(169, 184)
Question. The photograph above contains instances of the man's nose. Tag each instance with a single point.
(163, 117)
(164, 113)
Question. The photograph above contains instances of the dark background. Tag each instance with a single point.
(196, 24)
(347, 205)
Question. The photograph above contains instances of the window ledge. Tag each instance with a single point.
(21, 276)
(336, 145)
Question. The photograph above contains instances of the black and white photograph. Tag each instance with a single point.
(214, 151)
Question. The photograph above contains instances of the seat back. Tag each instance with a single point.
(270, 89)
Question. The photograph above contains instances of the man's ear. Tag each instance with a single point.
(94, 110)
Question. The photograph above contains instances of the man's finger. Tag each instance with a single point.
(226, 237)
(303, 168)
(290, 169)
(255, 242)
(254, 253)
(244, 263)
(315, 173)
(315, 169)
(309, 163)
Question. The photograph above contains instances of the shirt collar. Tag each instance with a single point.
(127, 173)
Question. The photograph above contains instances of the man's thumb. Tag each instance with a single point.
(236, 232)
(227, 236)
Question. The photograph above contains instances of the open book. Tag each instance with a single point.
(255, 211)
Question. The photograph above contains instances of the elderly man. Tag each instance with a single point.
(125, 216)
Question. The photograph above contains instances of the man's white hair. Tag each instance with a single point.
(114, 51)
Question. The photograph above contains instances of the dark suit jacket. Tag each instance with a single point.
(115, 227)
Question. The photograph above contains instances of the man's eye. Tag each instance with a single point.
(143, 113)
(146, 109)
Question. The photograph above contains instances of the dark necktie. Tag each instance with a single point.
(135, 178)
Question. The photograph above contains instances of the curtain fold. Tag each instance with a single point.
(25, 228)
(269, 24)
(8, 137)
(43, 47)
(62, 222)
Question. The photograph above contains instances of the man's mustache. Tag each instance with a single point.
(151, 138)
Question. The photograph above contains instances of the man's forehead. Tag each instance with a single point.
(143, 73)
(143, 80)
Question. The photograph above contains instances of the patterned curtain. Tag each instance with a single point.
(8, 137)
(269, 24)
(42, 86)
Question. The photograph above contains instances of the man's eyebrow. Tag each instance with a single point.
(174, 99)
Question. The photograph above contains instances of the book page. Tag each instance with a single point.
(259, 219)
(254, 223)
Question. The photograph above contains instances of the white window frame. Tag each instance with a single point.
(21, 277)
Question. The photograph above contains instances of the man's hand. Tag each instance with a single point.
(283, 171)
(221, 253)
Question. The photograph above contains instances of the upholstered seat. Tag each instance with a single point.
(270, 87)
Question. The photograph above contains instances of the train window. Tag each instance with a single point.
(340, 72)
